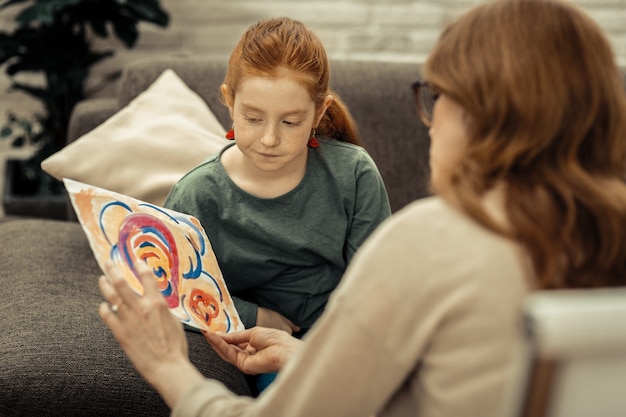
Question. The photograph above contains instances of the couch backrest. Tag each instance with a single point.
(378, 95)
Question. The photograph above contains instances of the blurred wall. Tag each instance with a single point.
(399, 30)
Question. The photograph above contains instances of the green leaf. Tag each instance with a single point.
(125, 29)
(37, 92)
(45, 12)
(99, 26)
(149, 11)
(8, 3)
(26, 125)
(5, 132)
(18, 142)
(9, 48)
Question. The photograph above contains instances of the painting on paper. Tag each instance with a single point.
(172, 244)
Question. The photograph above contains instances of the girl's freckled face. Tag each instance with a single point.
(273, 119)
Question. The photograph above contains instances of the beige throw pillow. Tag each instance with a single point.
(146, 147)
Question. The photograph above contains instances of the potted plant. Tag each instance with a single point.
(53, 38)
(18, 138)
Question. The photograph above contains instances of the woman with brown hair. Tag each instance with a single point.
(527, 116)
(545, 128)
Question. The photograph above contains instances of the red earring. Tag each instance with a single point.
(313, 143)
(230, 135)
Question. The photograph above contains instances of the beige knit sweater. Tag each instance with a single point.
(424, 323)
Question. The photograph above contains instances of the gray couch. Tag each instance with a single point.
(58, 359)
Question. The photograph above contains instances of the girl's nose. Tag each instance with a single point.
(270, 137)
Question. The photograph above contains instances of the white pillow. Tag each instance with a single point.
(146, 147)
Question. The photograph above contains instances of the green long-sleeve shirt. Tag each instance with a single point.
(287, 253)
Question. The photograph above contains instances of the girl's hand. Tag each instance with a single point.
(270, 318)
(150, 335)
(255, 351)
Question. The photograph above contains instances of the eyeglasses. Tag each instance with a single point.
(425, 97)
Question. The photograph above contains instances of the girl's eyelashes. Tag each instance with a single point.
(288, 123)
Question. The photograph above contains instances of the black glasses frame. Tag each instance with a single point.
(425, 97)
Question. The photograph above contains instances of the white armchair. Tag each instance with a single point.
(574, 361)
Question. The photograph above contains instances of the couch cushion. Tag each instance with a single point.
(146, 147)
(58, 358)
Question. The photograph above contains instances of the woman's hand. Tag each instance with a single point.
(255, 351)
(150, 335)
(270, 318)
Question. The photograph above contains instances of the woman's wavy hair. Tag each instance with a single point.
(546, 110)
(272, 46)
